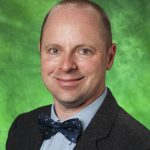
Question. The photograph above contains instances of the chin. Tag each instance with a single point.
(70, 103)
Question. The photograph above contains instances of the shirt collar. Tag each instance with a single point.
(87, 113)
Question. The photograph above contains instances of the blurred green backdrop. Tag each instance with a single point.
(21, 87)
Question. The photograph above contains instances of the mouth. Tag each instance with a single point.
(69, 82)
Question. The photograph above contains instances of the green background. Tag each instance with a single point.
(21, 87)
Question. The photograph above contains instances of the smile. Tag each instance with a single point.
(69, 83)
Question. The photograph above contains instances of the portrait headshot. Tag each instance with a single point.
(77, 78)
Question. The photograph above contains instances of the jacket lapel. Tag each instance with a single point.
(100, 125)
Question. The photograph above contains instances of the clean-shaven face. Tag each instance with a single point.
(73, 56)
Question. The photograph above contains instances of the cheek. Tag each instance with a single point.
(47, 66)
(93, 67)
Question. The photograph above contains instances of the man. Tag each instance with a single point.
(76, 51)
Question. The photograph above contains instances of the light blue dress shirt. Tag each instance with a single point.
(59, 141)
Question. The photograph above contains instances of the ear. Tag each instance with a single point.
(110, 56)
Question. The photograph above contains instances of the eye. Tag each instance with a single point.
(54, 51)
(85, 52)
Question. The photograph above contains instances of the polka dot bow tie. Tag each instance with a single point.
(71, 129)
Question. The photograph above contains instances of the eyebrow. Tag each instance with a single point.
(52, 45)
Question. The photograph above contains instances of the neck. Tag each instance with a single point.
(64, 112)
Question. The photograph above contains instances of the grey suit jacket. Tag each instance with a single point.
(110, 129)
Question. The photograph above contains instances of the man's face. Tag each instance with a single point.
(73, 56)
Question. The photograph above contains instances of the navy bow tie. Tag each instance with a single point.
(71, 129)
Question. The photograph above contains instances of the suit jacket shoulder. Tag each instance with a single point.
(24, 134)
(114, 129)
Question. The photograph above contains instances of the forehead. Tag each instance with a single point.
(73, 14)
(74, 25)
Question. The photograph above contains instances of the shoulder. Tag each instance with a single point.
(24, 127)
(123, 121)
(33, 114)
(29, 119)
(128, 122)
(125, 132)
(130, 131)
(44, 109)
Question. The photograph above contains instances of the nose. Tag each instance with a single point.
(68, 64)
